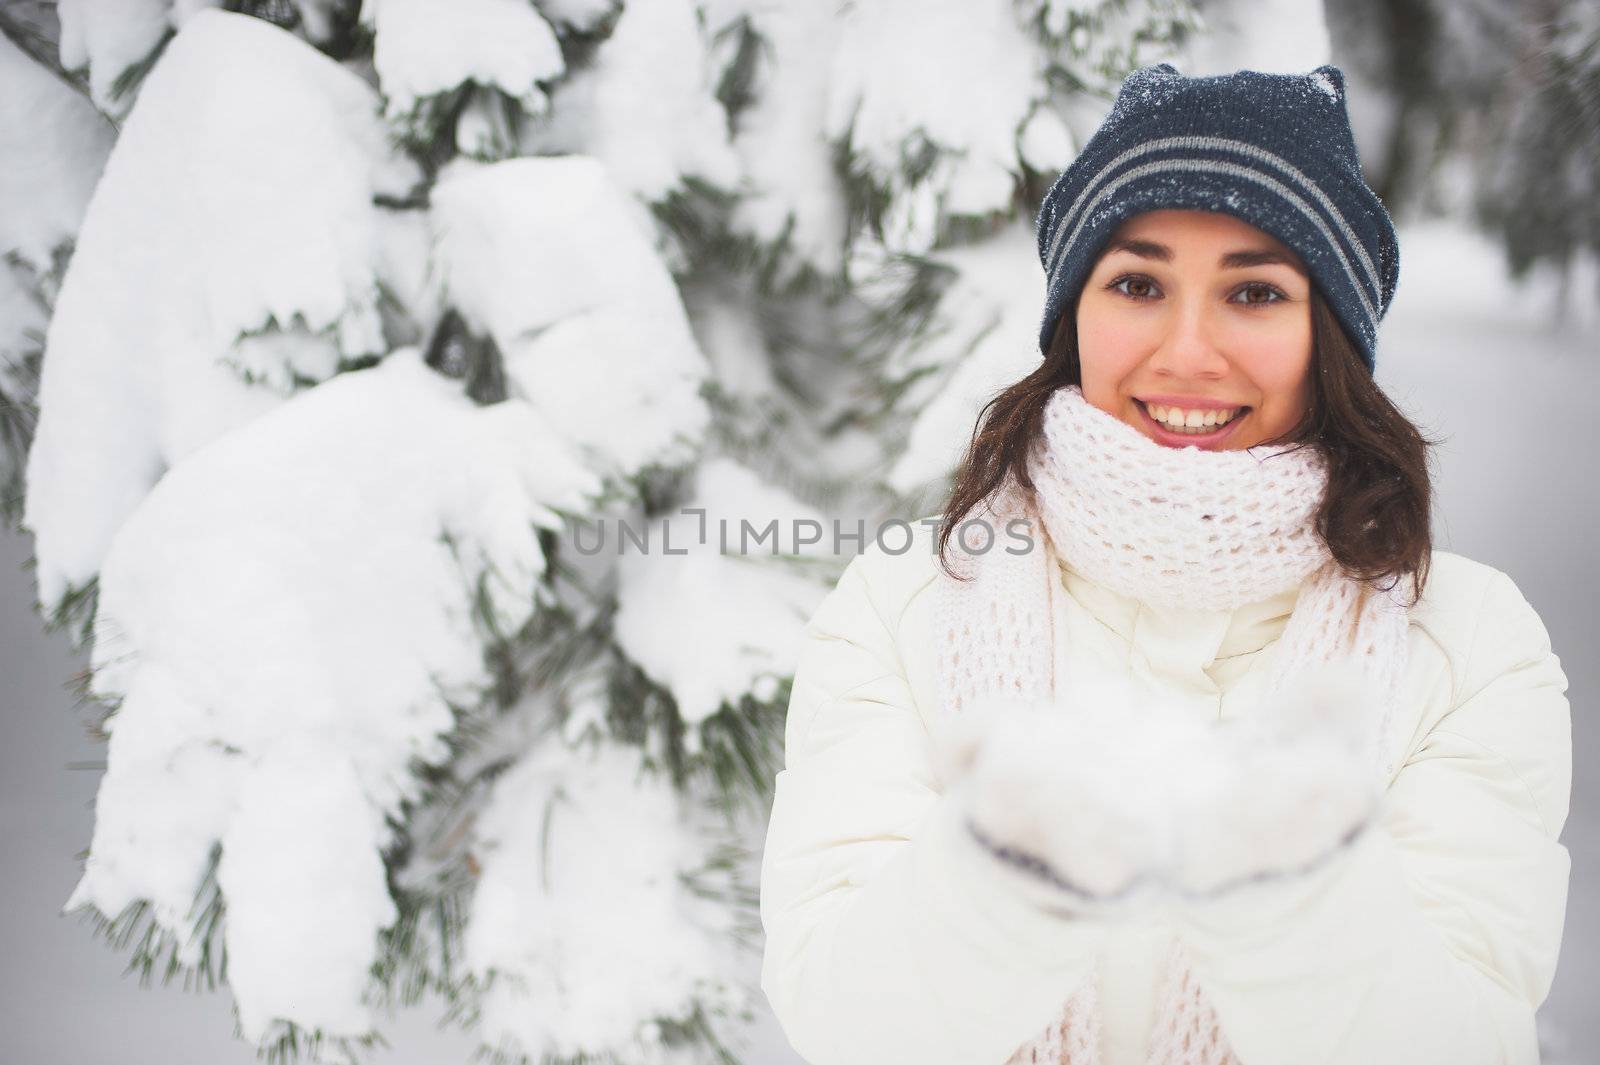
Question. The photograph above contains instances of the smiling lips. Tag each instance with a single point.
(1204, 423)
(1190, 419)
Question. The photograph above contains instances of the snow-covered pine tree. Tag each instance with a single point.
(376, 313)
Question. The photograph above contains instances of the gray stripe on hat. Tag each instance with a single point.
(1234, 170)
(1220, 144)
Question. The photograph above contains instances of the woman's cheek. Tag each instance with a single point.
(1108, 351)
(1276, 350)
(1282, 382)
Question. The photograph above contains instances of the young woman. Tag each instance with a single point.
(1178, 743)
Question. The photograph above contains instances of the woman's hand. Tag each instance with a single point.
(1092, 803)
(1070, 799)
(1277, 793)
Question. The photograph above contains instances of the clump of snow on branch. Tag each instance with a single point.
(116, 40)
(644, 106)
(424, 49)
(556, 263)
(790, 182)
(302, 871)
(583, 929)
(54, 144)
(277, 681)
(717, 618)
(110, 36)
(916, 97)
(186, 255)
(987, 339)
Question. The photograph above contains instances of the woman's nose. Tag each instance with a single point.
(1189, 347)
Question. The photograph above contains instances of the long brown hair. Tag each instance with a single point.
(1374, 516)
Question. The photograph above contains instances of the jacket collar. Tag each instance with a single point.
(1203, 636)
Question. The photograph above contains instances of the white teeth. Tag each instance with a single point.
(1191, 421)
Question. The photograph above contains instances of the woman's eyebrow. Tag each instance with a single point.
(1149, 249)
(1257, 258)
(1144, 249)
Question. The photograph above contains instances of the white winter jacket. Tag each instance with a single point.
(891, 939)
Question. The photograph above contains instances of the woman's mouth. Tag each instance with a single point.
(1198, 426)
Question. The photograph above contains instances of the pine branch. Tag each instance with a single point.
(156, 948)
(132, 76)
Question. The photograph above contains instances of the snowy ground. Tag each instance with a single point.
(1480, 363)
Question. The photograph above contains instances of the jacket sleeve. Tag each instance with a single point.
(1435, 936)
(890, 936)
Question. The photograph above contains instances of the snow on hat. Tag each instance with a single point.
(1274, 150)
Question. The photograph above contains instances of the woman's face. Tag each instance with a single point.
(1198, 319)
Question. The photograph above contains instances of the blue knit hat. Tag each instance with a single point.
(1274, 150)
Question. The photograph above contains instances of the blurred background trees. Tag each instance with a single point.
(1488, 108)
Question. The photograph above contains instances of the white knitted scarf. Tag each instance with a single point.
(1209, 530)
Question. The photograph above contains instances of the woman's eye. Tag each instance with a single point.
(1139, 288)
(1260, 294)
